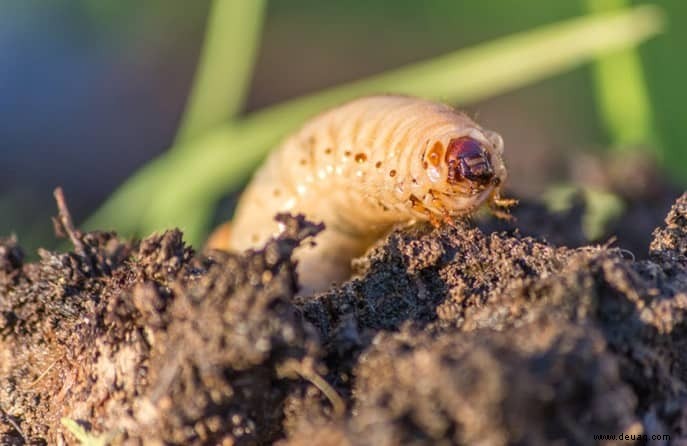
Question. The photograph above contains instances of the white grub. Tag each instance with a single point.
(363, 167)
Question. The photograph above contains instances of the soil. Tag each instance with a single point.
(484, 333)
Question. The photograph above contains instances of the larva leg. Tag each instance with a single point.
(501, 202)
(499, 206)
(420, 208)
(503, 215)
(444, 214)
(448, 220)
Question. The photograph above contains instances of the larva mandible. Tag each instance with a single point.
(363, 167)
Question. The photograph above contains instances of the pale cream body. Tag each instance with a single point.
(360, 168)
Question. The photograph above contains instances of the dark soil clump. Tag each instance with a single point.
(468, 335)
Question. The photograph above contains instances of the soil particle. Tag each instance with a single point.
(514, 333)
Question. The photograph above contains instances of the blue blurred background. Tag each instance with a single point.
(92, 89)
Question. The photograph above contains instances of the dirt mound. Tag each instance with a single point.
(444, 336)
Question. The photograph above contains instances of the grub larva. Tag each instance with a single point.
(363, 167)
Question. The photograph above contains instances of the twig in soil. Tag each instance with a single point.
(64, 218)
(608, 245)
(306, 371)
(628, 253)
(167, 376)
(42, 375)
(612, 241)
(14, 424)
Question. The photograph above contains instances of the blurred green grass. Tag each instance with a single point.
(621, 92)
(215, 153)
(665, 67)
(225, 67)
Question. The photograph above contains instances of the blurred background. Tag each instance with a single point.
(91, 90)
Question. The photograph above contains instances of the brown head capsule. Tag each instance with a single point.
(467, 159)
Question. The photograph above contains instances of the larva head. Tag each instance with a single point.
(467, 160)
(466, 168)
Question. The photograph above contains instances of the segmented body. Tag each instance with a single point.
(361, 168)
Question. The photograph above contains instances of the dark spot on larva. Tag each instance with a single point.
(414, 181)
(434, 154)
(328, 150)
(392, 173)
(347, 153)
(425, 165)
(378, 164)
(304, 162)
(360, 157)
(254, 238)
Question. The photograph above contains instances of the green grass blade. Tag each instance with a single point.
(220, 160)
(225, 67)
(621, 92)
(486, 70)
(220, 86)
(84, 437)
